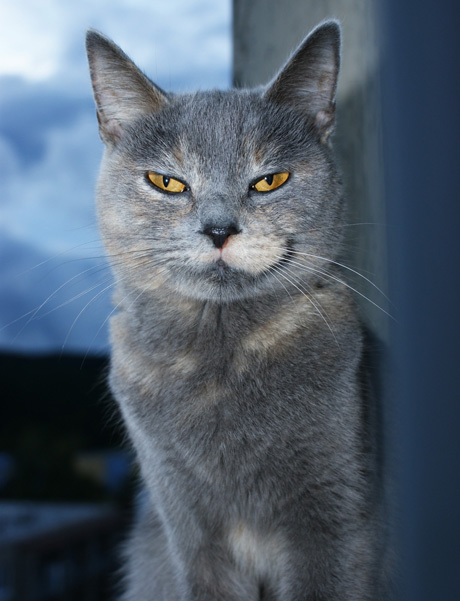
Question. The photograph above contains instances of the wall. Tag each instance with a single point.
(265, 32)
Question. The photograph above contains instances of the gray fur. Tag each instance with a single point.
(237, 370)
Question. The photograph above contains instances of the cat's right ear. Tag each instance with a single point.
(308, 81)
(121, 91)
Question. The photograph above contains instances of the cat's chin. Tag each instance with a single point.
(221, 283)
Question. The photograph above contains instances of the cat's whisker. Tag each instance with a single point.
(75, 297)
(82, 311)
(323, 274)
(308, 296)
(148, 267)
(309, 290)
(56, 256)
(121, 302)
(323, 228)
(34, 312)
(326, 275)
(272, 269)
(343, 266)
(102, 325)
(97, 242)
(277, 293)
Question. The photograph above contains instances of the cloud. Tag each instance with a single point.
(49, 144)
(178, 39)
(51, 151)
(50, 253)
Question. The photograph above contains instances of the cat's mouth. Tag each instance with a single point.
(223, 274)
(226, 272)
(222, 268)
(239, 270)
(250, 255)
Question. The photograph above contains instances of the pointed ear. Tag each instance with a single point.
(309, 79)
(121, 91)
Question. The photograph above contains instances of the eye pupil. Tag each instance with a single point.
(165, 181)
(269, 179)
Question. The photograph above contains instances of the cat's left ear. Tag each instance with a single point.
(308, 81)
(121, 91)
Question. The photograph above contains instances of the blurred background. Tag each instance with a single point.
(67, 477)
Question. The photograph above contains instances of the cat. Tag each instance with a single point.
(237, 350)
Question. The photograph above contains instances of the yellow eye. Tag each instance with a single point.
(270, 182)
(169, 184)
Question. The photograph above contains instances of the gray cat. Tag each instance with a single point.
(237, 351)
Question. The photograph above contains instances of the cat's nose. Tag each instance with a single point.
(219, 234)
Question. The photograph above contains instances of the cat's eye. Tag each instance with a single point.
(166, 183)
(270, 182)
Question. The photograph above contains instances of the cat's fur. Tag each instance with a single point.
(238, 367)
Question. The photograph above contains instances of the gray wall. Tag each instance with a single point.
(265, 32)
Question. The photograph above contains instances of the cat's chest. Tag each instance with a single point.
(182, 339)
(214, 368)
(212, 408)
(196, 362)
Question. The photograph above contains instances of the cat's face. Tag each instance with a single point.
(214, 195)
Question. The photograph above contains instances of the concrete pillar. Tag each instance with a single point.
(265, 32)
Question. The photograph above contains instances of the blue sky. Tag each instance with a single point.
(50, 150)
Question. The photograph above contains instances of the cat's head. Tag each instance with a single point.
(219, 195)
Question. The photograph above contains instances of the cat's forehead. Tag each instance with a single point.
(218, 129)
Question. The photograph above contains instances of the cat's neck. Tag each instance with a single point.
(167, 323)
(167, 311)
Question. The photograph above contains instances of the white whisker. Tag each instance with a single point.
(336, 227)
(344, 267)
(54, 257)
(308, 296)
(113, 283)
(272, 270)
(119, 304)
(34, 312)
(327, 275)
